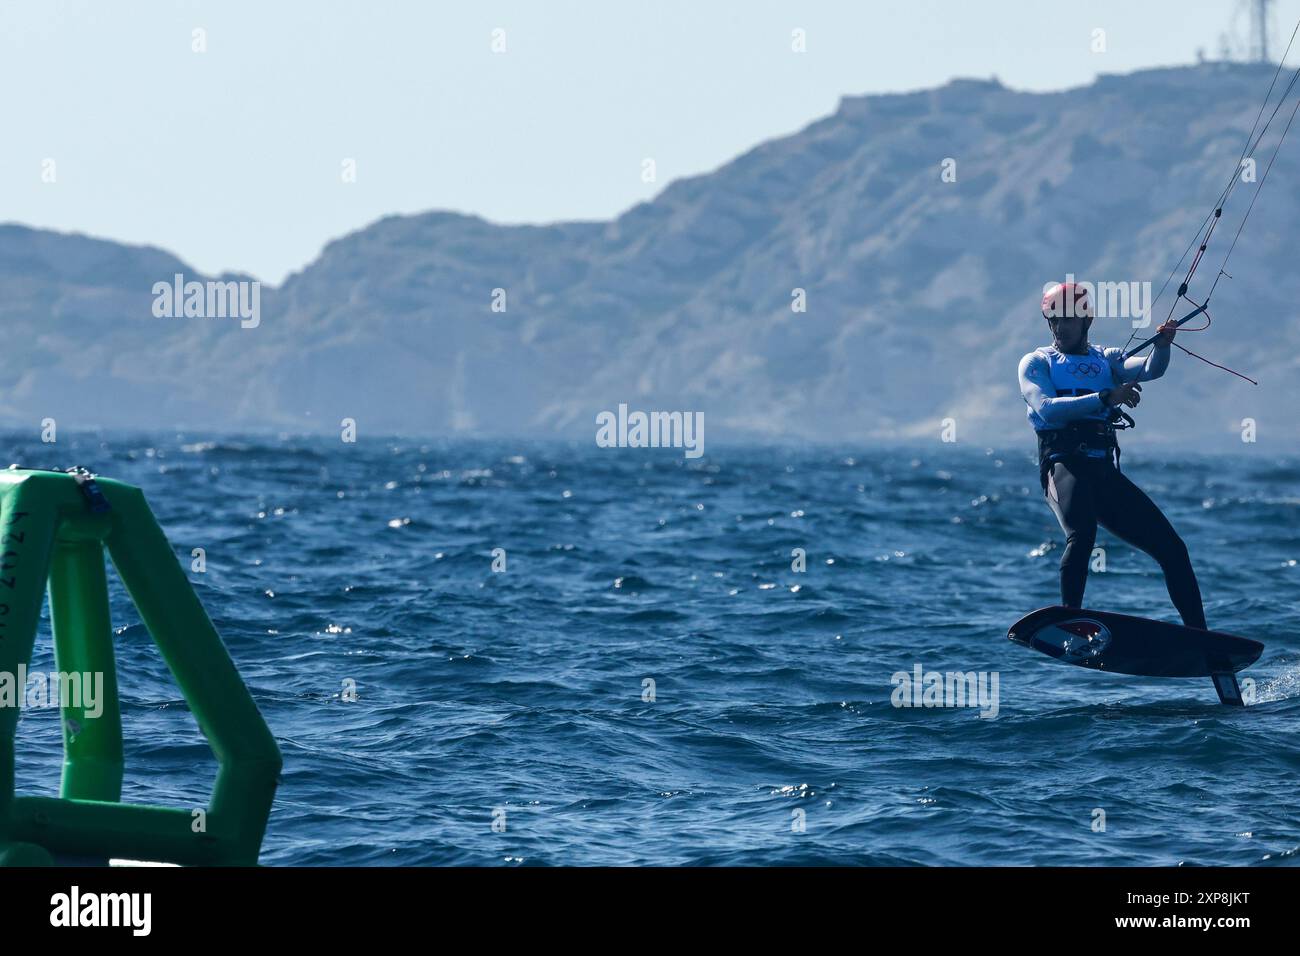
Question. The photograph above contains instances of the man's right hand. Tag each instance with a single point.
(1130, 393)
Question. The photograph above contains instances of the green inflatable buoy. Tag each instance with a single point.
(54, 530)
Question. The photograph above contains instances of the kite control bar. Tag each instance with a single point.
(1200, 310)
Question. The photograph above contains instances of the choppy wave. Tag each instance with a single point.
(651, 680)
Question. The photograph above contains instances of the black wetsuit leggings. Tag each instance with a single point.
(1085, 492)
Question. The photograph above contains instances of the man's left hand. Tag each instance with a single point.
(1165, 334)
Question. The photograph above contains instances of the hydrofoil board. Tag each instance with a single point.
(1122, 644)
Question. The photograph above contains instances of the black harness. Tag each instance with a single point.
(1077, 439)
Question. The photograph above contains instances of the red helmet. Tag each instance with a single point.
(1065, 299)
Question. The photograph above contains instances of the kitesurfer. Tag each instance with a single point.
(1076, 393)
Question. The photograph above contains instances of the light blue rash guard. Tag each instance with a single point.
(1061, 388)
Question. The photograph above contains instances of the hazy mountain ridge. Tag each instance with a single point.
(921, 294)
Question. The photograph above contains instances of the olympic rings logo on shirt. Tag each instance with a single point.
(1086, 369)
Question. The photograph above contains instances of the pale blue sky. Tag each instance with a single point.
(231, 158)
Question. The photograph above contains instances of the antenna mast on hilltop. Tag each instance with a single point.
(1259, 30)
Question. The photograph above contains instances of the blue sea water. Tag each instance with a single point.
(521, 697)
